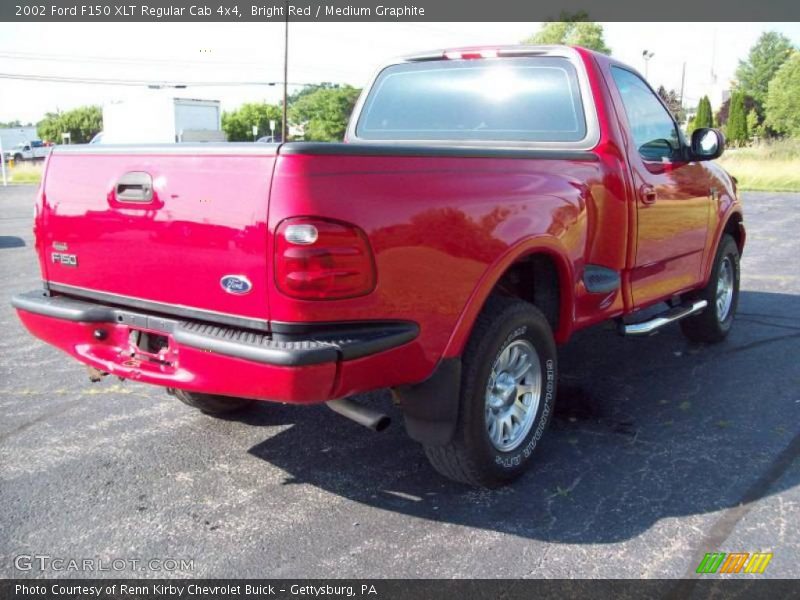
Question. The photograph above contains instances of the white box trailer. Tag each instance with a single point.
(158, 119)
(12, 136)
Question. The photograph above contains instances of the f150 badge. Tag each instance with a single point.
(68, 260)
(238, 285)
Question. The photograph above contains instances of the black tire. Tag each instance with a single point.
(707, 327)
(211, 404)
(471, 457)
(18, 158)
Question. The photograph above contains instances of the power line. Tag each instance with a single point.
(143, 83)
(123, 60)
(73, 59)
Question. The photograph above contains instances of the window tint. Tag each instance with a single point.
(653, 129)
(509, 99)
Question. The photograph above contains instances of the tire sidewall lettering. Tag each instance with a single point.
(515, 459)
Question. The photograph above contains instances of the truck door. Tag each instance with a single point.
(671, 195)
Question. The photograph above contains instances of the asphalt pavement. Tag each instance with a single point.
(659, 452)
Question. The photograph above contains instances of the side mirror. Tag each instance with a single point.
(707, 144)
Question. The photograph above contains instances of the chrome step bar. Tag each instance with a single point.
(673, 314)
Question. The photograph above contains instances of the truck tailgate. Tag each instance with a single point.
(197, 246)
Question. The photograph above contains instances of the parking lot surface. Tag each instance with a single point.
(659, 452)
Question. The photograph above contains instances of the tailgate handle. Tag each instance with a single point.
(135, 186)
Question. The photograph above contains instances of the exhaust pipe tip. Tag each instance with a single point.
(382, 423)
(363, 415)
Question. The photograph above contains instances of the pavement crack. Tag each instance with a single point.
(724, 526)
(768, 324)
(762, 342)
(781, 317)
(41, 418)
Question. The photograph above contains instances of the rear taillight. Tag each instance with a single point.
(317, 259)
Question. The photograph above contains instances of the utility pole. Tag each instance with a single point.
(647, 55)
(713, 57)
(3, 163)
(683, 80)
(285, 124)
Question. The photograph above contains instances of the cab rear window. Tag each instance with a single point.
(503, 100)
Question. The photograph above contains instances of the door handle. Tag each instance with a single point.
(648, 194)
(135, 186)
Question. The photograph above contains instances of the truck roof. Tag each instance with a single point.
(487, 51)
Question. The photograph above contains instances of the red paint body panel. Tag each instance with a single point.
(191, 369)
(673, 241)
(441, 227)
(207, 220)
(442, 230)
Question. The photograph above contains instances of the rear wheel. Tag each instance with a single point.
(507, 393)
(722, 294)
(211, 404)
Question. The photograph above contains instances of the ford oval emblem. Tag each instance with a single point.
(238, 285)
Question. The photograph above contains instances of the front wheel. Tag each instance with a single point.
(211, 404)
(722, 295)
(508, 389)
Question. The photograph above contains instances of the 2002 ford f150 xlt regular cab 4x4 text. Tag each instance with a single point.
(485, 204)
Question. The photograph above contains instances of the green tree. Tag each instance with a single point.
(765, 58)
(82, 123)
(324, 112)
(572, 29)
(736, 130)
(724, 109)
(754, 123)
(310, 88)
(703, 117)
(15, 124)
(673, 102)
(238, 124)
(783, 98)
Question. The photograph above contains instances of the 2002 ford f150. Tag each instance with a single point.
(485, 204)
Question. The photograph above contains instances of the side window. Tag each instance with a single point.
(653, 129)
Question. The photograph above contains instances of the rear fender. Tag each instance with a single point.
(538, 245)
(431, 408)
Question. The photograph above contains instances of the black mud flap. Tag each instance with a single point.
(430, 408)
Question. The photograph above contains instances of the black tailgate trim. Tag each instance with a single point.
(313, 346)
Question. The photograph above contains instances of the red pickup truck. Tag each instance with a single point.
(486, 204)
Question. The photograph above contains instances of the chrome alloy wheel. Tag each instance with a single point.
(512, 395)
(724, 289)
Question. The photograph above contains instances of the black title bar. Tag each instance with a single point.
(394, 10)
(393, 589)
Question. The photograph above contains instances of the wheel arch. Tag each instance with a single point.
(543, 259)
(733, 224)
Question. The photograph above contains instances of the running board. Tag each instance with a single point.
(673, 314)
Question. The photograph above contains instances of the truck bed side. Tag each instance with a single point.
(445, 223)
